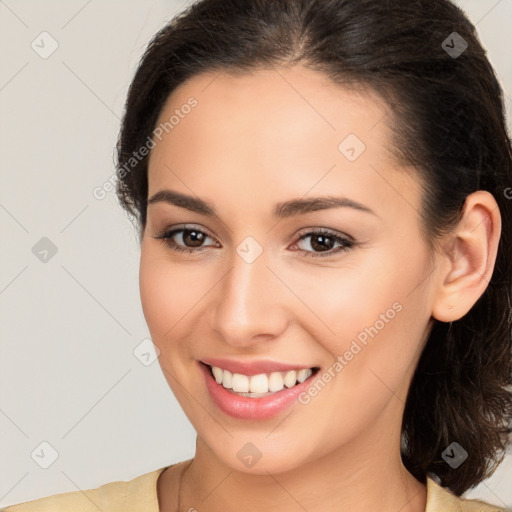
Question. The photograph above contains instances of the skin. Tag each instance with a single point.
(252, 141)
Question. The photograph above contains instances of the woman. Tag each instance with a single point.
(323, 194)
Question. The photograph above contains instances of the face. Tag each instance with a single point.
(343, 287)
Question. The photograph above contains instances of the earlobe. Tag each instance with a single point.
(468, 257)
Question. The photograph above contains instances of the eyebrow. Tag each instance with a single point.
(280, 211)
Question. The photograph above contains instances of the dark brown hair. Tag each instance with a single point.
(447, 121)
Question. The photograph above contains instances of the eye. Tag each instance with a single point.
(191, 237)
(190, 240)
(323, 241)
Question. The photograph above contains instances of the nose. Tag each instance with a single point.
(249, 304)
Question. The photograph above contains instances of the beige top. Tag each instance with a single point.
(140, 495)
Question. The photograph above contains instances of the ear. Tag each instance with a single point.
(467, 260)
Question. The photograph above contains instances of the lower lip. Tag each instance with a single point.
(246, 408)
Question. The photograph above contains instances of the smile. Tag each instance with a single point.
(244, 397)
(263, 384)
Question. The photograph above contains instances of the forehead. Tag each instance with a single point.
(271, 130)
(278, 106)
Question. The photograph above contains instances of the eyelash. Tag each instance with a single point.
(345, 243)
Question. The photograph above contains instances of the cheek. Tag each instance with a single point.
(376, 315)
(168, 293)
(375, 330)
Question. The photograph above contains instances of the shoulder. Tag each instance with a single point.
(440, 499)
(136, 494)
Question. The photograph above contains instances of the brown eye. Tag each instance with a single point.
(192, 238)
(188, 240)
(323, 242)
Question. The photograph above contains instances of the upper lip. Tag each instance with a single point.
(254, 367)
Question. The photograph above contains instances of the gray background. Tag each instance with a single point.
(70, 325)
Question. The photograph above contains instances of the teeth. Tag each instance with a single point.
(258, 383)
(290, 379)
(303, 375)
(275, 381)
(240, 383)
(217, 373)
(261, 384)
(227, 378)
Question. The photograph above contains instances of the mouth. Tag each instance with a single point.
(262, 384)
(257, 396)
